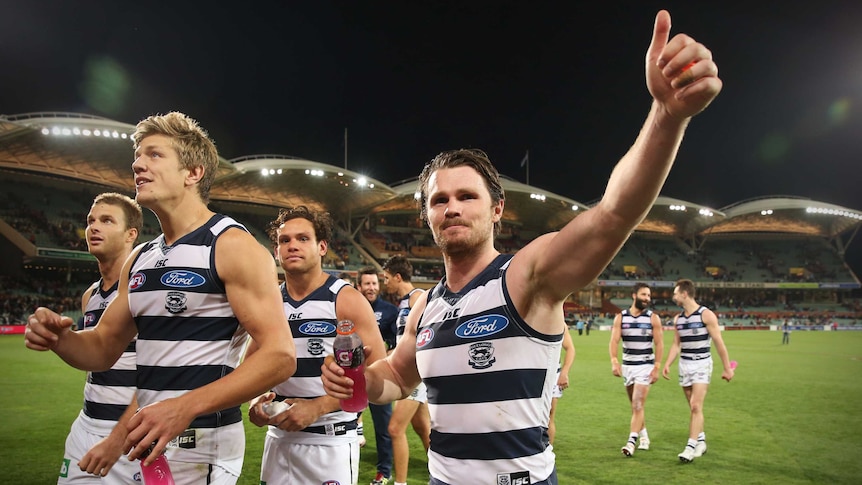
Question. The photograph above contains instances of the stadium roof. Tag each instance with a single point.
(99, 150)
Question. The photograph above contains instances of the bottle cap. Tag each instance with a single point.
(345, 327)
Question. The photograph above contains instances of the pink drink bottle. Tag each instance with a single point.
(347, 348)
(158, 473)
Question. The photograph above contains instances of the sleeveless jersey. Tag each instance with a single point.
(693, 336)
(312, 324)
(637, 338)
(188, 336)
(107, 394)
(490, 377)
(403, 311)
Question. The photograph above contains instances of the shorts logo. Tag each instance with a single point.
(331, 482)
(186, 440)
(516, 478)
(482, 326)
(182, 279)
(64, 468)
(424, 337)
(481, 355)
(175, 302)
(317, 328)
(137, 477)
(315, 346)
(137, 280)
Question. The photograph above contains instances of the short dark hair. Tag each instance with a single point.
(320, 220)
(398, 264)
(637, 287)
(687, 286)
(478, 161)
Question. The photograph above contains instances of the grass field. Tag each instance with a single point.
(791, 415)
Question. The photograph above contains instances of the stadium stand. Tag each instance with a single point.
(760, 260)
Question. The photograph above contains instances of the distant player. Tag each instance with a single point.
(694, 330)
(643, 346)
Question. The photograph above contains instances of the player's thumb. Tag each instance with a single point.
(660, 35)
(66, 322)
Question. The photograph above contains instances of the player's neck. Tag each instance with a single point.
(300, 285)
(109, 270)
(635, 311)
(463, 267)
(177, 223)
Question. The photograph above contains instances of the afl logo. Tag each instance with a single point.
(317, 328)
(331, 482)
(89, 320)
(482, 326)
(136, 281)
(424, 337)
(182, 279)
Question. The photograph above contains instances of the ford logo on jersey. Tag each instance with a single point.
(182, 279)
(316, 328)
(482, 326)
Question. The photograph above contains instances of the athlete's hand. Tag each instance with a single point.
(101, 457)
(616, 369)
(681, 74)
(666, 373)
(728, 374)
(45, 328)
(301, 414)
(156, 424)
(334, 382)
(255, 409)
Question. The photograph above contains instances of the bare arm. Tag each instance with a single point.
(248, 273)
(545, 272)
(568, 359)
(674, 351)
(711, 322)
(388, 379)
(614, 345)
(101, 457)
(94, 349)
(658, 346)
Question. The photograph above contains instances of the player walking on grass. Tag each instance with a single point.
(694, 331)
(641, 333)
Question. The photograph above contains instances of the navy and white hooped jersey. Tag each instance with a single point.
(693, 335)
(107, 394)
(403, 311)
(489, 377)
(188, 335)
(312, 323)
(637, 338)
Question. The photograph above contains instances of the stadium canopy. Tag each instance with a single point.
(99, 150)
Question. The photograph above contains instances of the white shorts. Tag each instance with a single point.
(694, 372)
(637, 374)
(289, 463)
(186, 473)
(78, 443)
(420, 394)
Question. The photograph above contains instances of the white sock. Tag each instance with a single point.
(633, 437)
(644, 434)
(701, 436)
(400, 483)
(692, 443)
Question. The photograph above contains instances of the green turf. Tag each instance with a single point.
(791, 415)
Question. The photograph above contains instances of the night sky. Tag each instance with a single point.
(563, 80)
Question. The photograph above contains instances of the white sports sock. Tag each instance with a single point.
(701, 436)
(633, 437)
(644, 435)
(692, 443)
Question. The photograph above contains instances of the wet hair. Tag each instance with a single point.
(193, 145)
(320, 220)
(399, 265)
(478, 161)
(134, 217)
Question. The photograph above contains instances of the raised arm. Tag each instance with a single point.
(683, 80)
